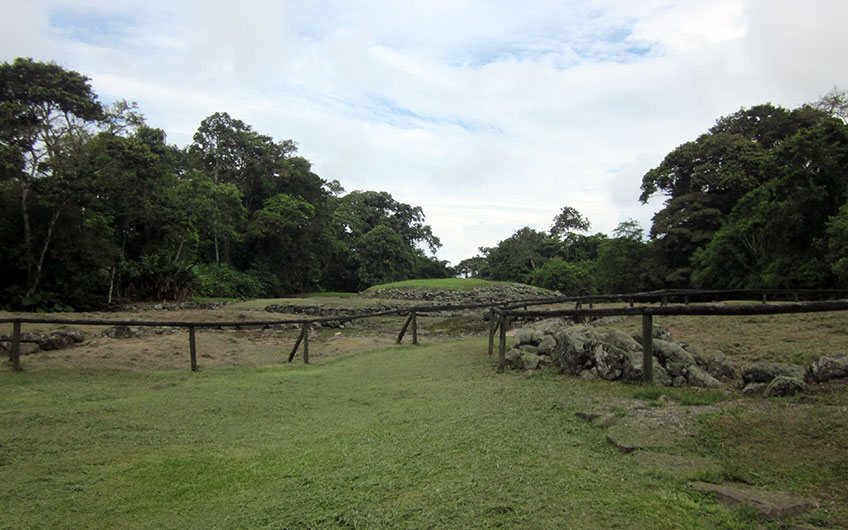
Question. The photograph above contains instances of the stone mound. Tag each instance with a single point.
(494, 293)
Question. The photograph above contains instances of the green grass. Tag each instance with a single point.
(454, 284)
(415, 437)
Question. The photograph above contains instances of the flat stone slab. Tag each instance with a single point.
(769, 504)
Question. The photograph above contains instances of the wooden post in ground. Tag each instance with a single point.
(15, 354)
(414, 327)
(192, 348)
(306, 343)
(630, 301)
(686, 300)
(664, 301)
(296, 345)
(403, 329)
(647, 349)
(502, 343)
(765, 299)
(491, 331)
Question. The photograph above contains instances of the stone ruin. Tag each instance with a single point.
(590, 352)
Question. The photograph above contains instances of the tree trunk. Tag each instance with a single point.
(36, 279)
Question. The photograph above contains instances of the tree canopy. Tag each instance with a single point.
(98, 207)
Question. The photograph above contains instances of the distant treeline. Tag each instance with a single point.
(758, 201)
(96, 206)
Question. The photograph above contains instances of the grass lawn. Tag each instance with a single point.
(406, 436)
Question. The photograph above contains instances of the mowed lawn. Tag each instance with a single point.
(409, 436)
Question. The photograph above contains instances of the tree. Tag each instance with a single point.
(786, 233)
(620, 265)
(46, 115)
(705, 179)
(383, 256)
(520, 254)
(569, 221)
(568, 278)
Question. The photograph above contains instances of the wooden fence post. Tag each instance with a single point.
(414, 327)
(192, 348)
(306, 343)
(403, 329)
(491, 331)
(647, 349)
(765, 299)
(630, 301)
(664, 301)
(296, 345)
(504, 322)
(15, 354)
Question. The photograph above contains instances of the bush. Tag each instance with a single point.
(568, 278)
(222, 281)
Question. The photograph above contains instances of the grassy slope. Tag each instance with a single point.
(409, 436)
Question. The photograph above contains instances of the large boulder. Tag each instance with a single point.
(764, 372)
(620, 340)
(700, 378)
(573, 350)
(828, 367)
(608, 360)
(673, 357)
(527, 336)
(59, 340)
(784, 386)
(633, 370)
(547, 345)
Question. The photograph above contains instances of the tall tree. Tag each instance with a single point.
(46, 118)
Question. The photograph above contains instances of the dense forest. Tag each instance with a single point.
(97, 207)
(758, 201)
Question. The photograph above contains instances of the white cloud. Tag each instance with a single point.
(488, 115)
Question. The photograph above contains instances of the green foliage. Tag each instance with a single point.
(97, 207)
(570, 279)
(223, 281)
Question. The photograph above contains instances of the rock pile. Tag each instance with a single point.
(481, 295)
(34, 341)
(613, 355)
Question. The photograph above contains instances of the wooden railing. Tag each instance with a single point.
(500, 315)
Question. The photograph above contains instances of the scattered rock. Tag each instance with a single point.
(588, 416)
(765, 372)
(59, 340)
(609, 361)
(784, 386)
(622, 446)
(768, 504)
(700, 378)
(828, 367)
(754, 389)
(527, 348)
(530, 360)
(547, 345)
(674, 358)
(121, 332)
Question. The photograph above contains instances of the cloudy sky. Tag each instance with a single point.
(490, 115)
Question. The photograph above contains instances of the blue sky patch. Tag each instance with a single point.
(105, 30)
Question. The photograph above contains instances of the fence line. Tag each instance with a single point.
(648, 312)
(500, 314)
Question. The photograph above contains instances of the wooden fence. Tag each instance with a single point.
(500, 315)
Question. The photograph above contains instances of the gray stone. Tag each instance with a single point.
(59, 340)
(700, 378)
(828, 368)
(530, 360)
(121, 332)
(768, 504)
(765, 372)
(784, 386)
(609, 361)
(526, 348)
(547, 345)
(678, 381)
(513, 358)
(573, 350)
(718, 367)
(754, 389)
(527, 336)
(674, 358)
(620, 340)
(545, 360)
